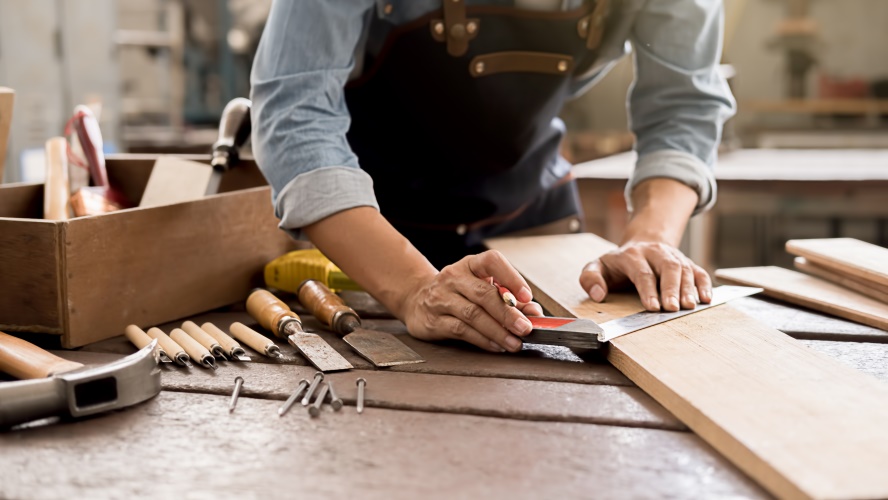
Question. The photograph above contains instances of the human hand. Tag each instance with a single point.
(461, 303)
(647, 264)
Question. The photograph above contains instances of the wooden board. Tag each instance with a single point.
(188, 445)
(779, 411)
(7, 98)
(869, 288)
(30, 276)
(845, 255)
(809, 291)
(174, 180)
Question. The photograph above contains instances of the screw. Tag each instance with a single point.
(439, 28)
(479, 68)
(315, 409)
(335, 402)
(314, 385)
(361, 384)
(292, 399)
(471, 27)
(562, 66)
(238, 383)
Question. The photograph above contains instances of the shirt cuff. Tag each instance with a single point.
(320, 193)
(678, 165)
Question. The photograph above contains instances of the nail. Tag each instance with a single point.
(672, 303)
(706, 295)
(653, 304)
(691, 299)
(496, 347)
(597, 293)
(513, 343)
(524, 295)
(522, 326)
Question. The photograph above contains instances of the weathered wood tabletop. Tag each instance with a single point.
(542, 423)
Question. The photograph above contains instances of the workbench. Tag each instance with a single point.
(545, 423)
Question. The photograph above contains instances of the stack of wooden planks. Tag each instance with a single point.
(801, 424)
(842, 276)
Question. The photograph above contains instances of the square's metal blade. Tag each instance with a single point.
(319, 352)
(568, 332)
(381, 348)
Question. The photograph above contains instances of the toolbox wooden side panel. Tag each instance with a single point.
(22, 201)
(150, 266)
(30, 276)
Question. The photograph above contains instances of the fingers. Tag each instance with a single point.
(670, 271)
(593, 280)
(688, 293)
(458, 329)
(703, 283)
(531, 309)
(486, 299)
(478, 320)
(493, 263)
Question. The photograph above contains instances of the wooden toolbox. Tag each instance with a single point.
(87, 278)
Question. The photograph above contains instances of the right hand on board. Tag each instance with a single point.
(460, 303)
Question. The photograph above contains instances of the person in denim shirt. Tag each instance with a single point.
(398, 134)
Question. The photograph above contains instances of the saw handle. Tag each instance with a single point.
(268, 310)
(328, 307)
(24, 360)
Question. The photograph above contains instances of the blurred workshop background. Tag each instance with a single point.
(807, 75)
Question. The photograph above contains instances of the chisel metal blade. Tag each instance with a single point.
(568, 332)
(318, 352)
(381, 348)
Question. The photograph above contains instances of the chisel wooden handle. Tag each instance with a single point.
(260, 343)
(227, 343)
(191, 346)
(268, 310)
(25, 360)
(169, 345)
(56, 189)
(202, 337)
(140, 339)
(328, 307)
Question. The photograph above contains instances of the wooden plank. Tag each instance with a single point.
(484, 396)
(869, 288)
(846, 255)
(182, 444)
(31, 278)
(809, 291)
(779, 411)
(7, 98)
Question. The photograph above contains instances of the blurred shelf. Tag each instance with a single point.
(818, 106)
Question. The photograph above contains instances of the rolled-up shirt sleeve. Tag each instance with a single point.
(299, 113)
(679, 100)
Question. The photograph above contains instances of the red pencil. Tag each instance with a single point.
(508, 297)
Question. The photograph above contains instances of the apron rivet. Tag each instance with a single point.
(388, 8)
(479, 67)
(471, 27)
(458, 31)
(461, 229)
(562, 66)
(584, 25)
(574, 225)
(439, 28)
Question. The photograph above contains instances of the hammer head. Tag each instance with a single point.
(123, 383)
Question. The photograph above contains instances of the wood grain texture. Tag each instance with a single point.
(31, 276)
(175, 180)
(21, 201)
(810, 291)
(779, 411)
(845, 255)
(7, 99)
(24, 360)
(380, 454)
(869, 288)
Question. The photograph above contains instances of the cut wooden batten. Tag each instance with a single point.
(811, 292)
(868, 288)
(845, 255)
(799, 423)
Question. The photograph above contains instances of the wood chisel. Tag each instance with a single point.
(196, 351)
(204, 339)
(57, 387)
(234, 130)
(173, 350)
(258, 342)
(380, 348)
(234, 350)
(140, 339)
(7, 98)
(276, 316)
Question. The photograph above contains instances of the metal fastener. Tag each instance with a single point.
(471, 28)
(462, 228)
(439, 28)
(562, 66)
(574, 225)
(458, 31)
(293, 397)
(388, 9)
(362, 383)
(315, 409)
(238, 383)
(584, 24)
(335, 401)
(318, 377)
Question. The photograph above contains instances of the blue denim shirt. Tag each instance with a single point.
(311, 48)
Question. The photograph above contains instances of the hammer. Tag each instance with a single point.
(58, 387)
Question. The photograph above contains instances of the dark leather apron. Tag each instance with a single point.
(456, 122)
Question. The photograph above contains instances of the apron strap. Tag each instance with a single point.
(591, 27)
(455, 28)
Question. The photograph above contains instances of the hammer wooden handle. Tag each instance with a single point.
(221, 337)
(325, 305)
(268, 310)
(24, 360)
(252, 338)
(169, 345)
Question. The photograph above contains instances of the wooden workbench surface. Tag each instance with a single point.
(543, 423)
